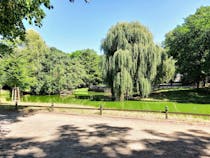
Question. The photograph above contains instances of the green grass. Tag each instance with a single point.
(4, 93)
(183, 95)
(130, 105)
(177, 100)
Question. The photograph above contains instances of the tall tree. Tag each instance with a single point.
(51, 69)
(66, 73)
(91, 62)
(131, 59)
(189, 44)
(34, 50)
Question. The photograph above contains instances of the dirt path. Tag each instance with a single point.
(75, 136)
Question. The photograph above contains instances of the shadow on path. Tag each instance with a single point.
(104, 141)
(180, 144)
(7, 117)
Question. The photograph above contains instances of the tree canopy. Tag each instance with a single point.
(131, 59)
(189, 44)
(91, 62)
(38, 69)
(166, 70)
(15, 72)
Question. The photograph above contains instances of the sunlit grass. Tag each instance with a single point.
(130, 105)
(4, 95)
(176, 99)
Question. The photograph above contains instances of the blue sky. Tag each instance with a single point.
(75, 26)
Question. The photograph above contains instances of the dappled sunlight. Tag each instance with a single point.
(182, 144)
(6, 118)
(105, 140)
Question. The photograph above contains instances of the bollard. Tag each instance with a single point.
(166, 112)
(52, 106)
(16, 105)
(101, 109)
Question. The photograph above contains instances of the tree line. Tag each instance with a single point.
(38, 69)
(132, 63)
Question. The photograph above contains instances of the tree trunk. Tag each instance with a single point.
(16, 105)
(171, 83)
(204, 82)
(198, 84)
(112, 92)
(126, 95)
(122, 97)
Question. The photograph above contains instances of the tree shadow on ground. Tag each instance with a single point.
(7, 117)
(104, 141)
(180, 144)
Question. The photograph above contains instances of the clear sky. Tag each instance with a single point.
(78, 25)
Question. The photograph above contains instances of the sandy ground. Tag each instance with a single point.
(59, 135)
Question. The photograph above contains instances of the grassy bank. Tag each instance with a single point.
(131, 105)
(177, 100)
(183, 95)
(157, 101)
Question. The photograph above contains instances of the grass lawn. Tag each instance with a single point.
(178, 100)
(183, 95)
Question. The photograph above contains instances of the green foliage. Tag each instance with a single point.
(91, 61)
(15, 72)
(144, 87)
(34, 50)
(122, 82)
(6, 47)
(186, 95)
(12, 14)
(50, 70)
(189, 44)
(54, 70)
(131, 56)
(166, 70)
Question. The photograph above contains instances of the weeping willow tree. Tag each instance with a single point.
(122, 83)
(130, 60)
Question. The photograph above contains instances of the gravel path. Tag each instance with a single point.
(75, 136)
